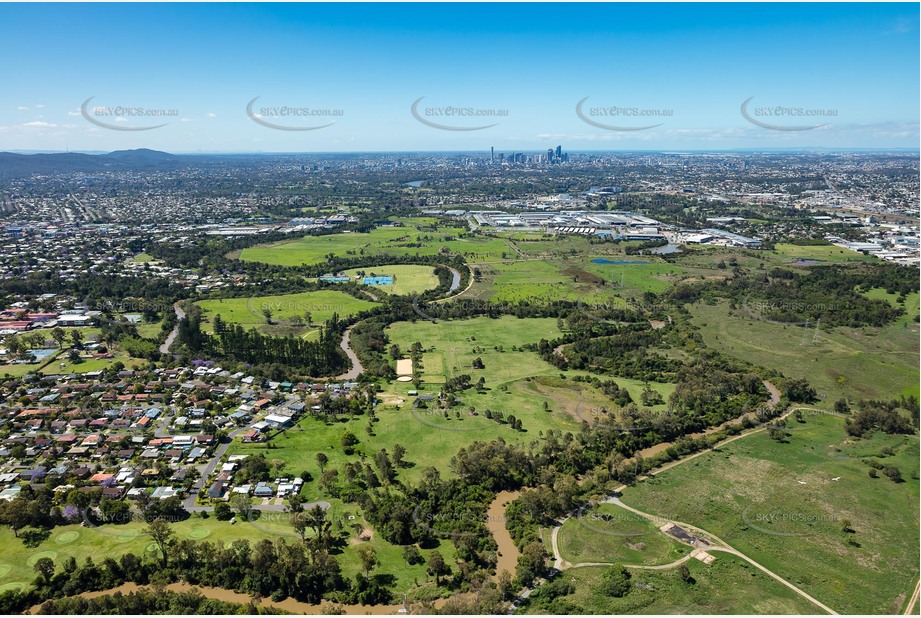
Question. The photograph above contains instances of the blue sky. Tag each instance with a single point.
(692, 65)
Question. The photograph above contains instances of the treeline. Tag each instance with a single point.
(147, 295)
(371, 344)
(147, 601)
(832, 294)
(232, 342)
(899, 416)
(305, 571)
(596, 475)
(436, 510)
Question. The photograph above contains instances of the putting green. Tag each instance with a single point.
(127, 535)
(42, 554)
(67, 537)
(13, 586)
(4, 569)
(199, 532)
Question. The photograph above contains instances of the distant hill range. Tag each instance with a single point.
(14, 165)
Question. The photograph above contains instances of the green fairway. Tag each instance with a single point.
(18, 370)
(429, 437)
(407, 240)
(786, 506)
(407, 278)
(857, 363)
(728, 586)
(288, 311)
(149, 330)
(609, 533)
(534, 280)
(450, 345)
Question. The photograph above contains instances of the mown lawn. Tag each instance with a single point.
(407, 278)
(609, 533)
(287, 310)
(728, 586)
(16, 564)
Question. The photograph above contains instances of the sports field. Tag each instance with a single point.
(407, 278)
(287, 310)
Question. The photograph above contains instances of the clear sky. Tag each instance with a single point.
(692, 64)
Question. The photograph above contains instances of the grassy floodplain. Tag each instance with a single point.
(786, 506)
(728, 586)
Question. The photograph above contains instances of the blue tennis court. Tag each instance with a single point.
(385, 280)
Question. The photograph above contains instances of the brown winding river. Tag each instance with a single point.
(508, 551)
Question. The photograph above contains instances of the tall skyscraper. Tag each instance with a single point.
(559, 152)
(492, 154)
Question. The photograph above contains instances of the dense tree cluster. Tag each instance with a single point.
(832, 294)
(317, 358)
(893, 417)
(151, 602)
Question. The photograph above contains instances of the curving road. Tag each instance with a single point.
(164, 347)
(356, 369)
(716, 543)
(723, 546)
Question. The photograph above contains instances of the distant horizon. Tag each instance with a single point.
(767, 150)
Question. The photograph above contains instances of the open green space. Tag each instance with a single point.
(656, 276)
(407, 278)
(609, 533)
(431, 438)
(406, 240)
(728, 586)
(149, 330)
(459, 342)
(288, 311)
(857, 363)
(807, 509)
(829, 253)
